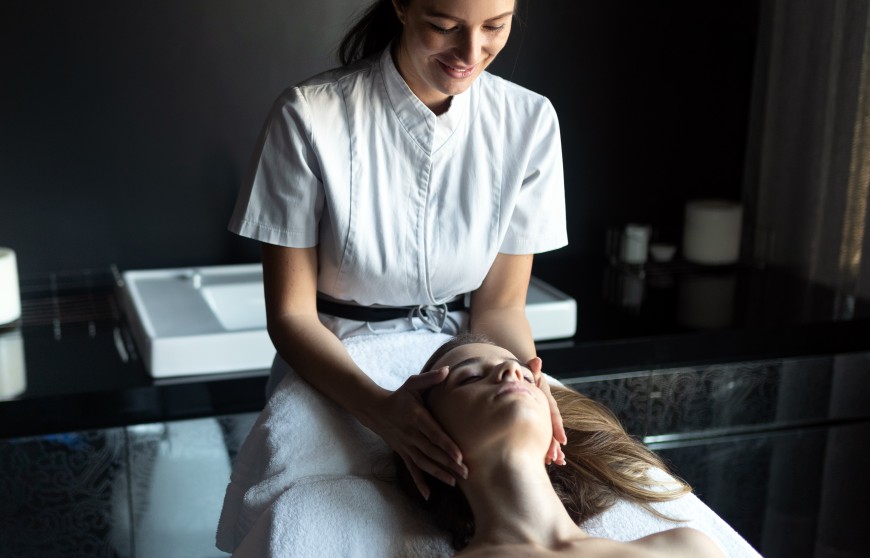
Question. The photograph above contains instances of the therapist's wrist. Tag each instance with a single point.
(367, 405)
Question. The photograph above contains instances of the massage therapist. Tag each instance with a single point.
(386, 190)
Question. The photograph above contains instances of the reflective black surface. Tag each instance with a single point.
(778, 448)
(146, 490)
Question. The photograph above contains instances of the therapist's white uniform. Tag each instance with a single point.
(406, 208)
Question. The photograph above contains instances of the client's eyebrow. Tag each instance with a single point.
(466, 362)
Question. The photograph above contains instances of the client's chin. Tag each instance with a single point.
(515, 428)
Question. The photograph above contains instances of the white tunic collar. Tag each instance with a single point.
(430, 132)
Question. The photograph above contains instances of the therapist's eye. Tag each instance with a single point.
(443, 30)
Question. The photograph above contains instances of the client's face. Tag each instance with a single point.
(489, 396)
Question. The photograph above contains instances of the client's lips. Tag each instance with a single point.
(513, 387)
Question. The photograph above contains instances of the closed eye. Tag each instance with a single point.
(449, 30)
(443, 30)
(468, 380)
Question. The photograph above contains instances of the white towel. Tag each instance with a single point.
(306, 480)
(300, 433)
(343, 516)
(626, 521)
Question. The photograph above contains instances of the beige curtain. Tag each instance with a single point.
(808, 162)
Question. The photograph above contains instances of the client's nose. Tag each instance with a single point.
(510, 371)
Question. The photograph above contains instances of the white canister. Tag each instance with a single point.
(13, 374)
(711, 232)
(10, 294)
(635, 243)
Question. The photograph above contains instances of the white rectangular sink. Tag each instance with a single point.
(552, 314)
(212, 319)
(237, 306)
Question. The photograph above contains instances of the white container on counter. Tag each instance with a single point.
(10, 293)
(635, 244)
(13, 372)
(711, 232)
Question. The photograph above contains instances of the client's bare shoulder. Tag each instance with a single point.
(673, 543)
(682, 541)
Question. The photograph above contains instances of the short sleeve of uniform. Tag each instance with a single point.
(538, 221)
(282, 198)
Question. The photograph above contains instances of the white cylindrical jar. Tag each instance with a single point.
(10, 293)
(711, 231)
(13, 374)
(635, 244)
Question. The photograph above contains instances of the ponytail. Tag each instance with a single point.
(371, 33)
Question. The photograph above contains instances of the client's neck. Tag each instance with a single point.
(514, 502)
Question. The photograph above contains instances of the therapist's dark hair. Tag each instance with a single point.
(373, 31)
(605, 464)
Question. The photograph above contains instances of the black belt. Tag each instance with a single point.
(375, 314)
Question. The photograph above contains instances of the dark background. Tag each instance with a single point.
(127, 126)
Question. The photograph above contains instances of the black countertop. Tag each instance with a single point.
(680, 314)
(83, 371)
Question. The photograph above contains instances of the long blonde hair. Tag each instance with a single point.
(604, 464)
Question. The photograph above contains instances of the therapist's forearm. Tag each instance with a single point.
(508, 327)
(317, 355)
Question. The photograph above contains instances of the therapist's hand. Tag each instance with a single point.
(555, 454)
(406, 425)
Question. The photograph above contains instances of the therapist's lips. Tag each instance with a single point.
(455, 72)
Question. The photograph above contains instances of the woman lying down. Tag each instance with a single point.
(512, 503)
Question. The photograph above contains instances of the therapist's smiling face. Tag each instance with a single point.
(447, 44)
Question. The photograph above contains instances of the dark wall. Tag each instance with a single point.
(653, 99)
(127, 126)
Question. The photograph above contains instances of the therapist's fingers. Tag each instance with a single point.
(535, 364)
(417, 461)
(423, 463)
(417, 477)
(418, 383)
(436, 445)
(414, 429)
(555, 415)
(435, 448)
(437, 451)
(558, 427)
(555, 453)
(428, 457)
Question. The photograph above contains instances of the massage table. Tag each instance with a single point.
(310, 481)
